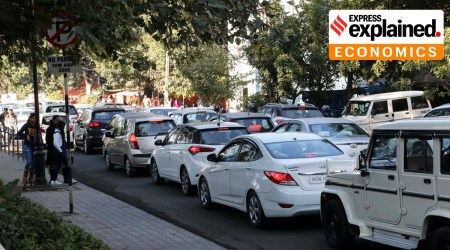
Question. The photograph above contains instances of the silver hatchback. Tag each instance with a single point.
(130, 139)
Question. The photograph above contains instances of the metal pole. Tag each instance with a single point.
(38, 162)
(69, 158)
(166, 80)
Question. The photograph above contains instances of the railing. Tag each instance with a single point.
(9, 144)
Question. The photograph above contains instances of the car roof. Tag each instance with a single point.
(385, 96)
(52, 114)
(210, 125)
(447, 105)
(423, 124)
(321, 120)
(269, 137)
(107, 108)
(235, 115)
(168, 108)
(193, 110)
(288, 106)
(56, 105)
(142, 116)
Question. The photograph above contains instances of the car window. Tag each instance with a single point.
(400, 105)
(152, 128)
(249, 152)
(384, 152)
(356, 108)
(105, 116)
(183, 136)
(52, 109)
(46, 120)
(118, 128)
(282, 128)
(338, 130)
(256, 124)
(230, 153)
(438, 112)
(445, 155)
(380, 107)
(419, 155)
(171, 137)
(301, 112)
(302, 149)
(219, 136)
(419, 102)
(198, 117)
(295, 127)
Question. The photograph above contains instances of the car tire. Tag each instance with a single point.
(441, 239)
(335, 225)
(204, 194)
(75, 144)
(155, 173)
(109, 165)
(129, 169)
(86, 147)
(185, 181)
(255, 211)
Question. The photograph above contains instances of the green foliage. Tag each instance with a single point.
(55, 95)
(257, 99)
(27, 225)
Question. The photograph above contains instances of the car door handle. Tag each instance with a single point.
(407, 113)
(427, 181)
(391, 177)
(386, 116)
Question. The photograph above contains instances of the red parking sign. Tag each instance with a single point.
(63, 31)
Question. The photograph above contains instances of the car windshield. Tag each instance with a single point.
(149, 128)
(105, 116)
(337, 130)
(438, 112)
(72, 109)
(200, 116)
(218, 136)
(161, 111)
(301, 112)
(356, 108)
(302, 149)
(255, 125)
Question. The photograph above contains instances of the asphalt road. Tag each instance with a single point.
(225, 226)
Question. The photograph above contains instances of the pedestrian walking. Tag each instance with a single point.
(50, 161)
(60, 153)
(2, 126)
(11, 124)
(27, 133)
(146, 101)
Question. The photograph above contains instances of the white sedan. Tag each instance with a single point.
(271, 175)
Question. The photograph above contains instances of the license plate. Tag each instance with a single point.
(317, 179)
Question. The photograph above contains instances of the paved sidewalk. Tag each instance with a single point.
(118, 224)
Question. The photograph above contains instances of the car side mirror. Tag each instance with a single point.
(212, 157)
(109, 134)
(362, 163)
(159, 143)
(373, 112)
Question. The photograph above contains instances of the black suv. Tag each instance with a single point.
(281, 112)
(88, 131)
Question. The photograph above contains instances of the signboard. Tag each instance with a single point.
(62, 65)
(63, 32)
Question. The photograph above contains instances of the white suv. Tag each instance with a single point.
(401, 194)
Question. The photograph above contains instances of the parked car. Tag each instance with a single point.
(399, 195)
(22, 115)
(160, 110)
(270, 175)
(443, 110)
(130, 139)
(372, 110)
(254, 122)
(46, 119)
(51, 108)
(187, 115)
(88, 130)
(282, 112)
(81, 107)
(343, 133)
(184, 150)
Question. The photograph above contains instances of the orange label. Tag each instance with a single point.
(386, 51)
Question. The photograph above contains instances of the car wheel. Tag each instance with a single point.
(87, 149)
(441, 239)
(155, 173)
(255, 211)
(75, 144)
(109, 165)
(129, 168)
(186, 186)
(335, 225)
(204, 194)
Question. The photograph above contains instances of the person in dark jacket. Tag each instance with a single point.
(27, 132)
(50, 161)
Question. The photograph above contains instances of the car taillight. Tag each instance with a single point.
(94, 124)
(133, 141)
(280, 178)
(279, 121)
(199, 149)
(254, 128)
(71, 128)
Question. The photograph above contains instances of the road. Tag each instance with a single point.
(225, 226)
